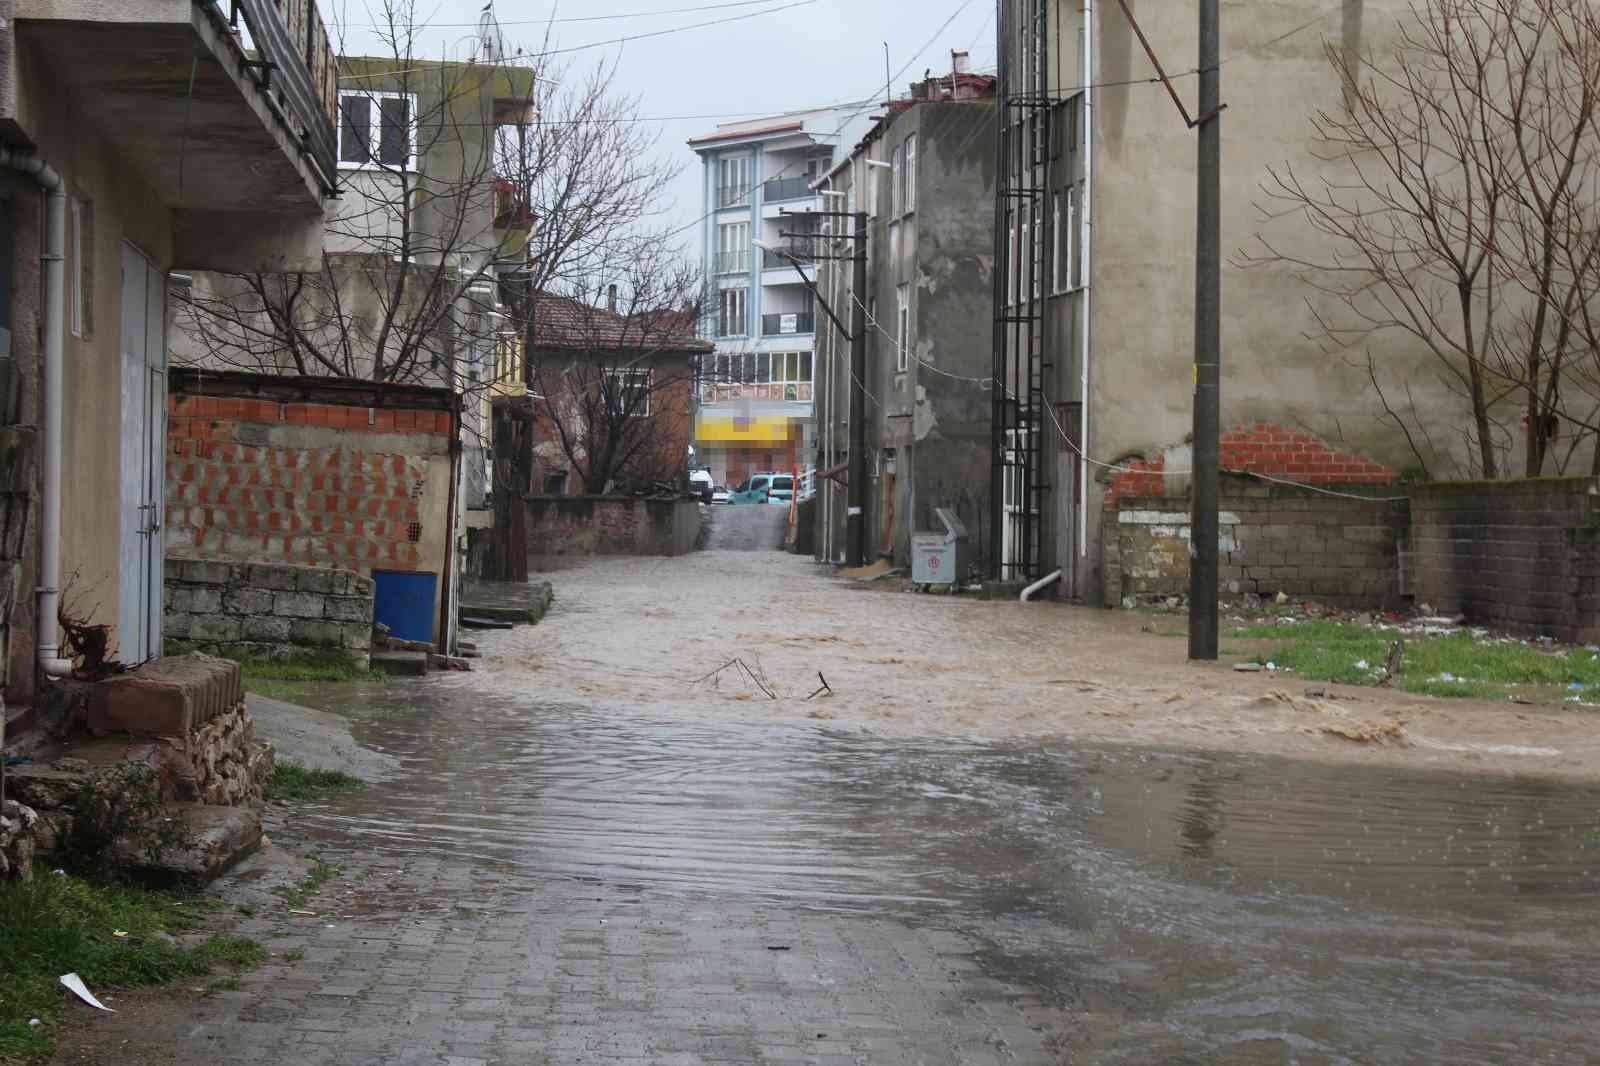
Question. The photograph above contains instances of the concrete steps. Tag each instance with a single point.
(401, 663)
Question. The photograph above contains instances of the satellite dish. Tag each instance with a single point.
(491, 41)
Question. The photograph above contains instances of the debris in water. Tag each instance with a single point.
(1385, 731)
(1248, 668)
(825, 691)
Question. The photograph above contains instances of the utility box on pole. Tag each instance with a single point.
(940, 558)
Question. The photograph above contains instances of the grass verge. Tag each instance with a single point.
(54, 925)
(1458, 665)
(291, 781)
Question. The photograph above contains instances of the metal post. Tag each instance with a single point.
(1207, 347)
(855, 520)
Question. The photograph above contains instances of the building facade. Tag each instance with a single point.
(138, 138)
(924, 173)
(756, 391)
(1094, 286)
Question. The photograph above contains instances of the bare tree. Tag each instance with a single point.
(1456, 207)
(612, 375)
(412, 242)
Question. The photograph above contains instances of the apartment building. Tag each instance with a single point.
(757, 239)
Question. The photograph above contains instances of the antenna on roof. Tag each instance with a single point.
(491, 41)
(888, 79)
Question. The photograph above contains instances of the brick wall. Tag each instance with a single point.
(1271, 539)
(266, 610)
(611, 525)
(1261, 448)
(1523, 555)
(314, 484)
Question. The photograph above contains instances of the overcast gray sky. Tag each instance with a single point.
(759, 57)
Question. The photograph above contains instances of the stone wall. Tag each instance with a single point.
(611, 525)
(1523, 555)
(267, 610)
(1271, 539)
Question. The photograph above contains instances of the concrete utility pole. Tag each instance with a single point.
(855, 525)
(1207, 346)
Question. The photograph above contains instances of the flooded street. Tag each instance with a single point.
(1153, 907)
(599, 848)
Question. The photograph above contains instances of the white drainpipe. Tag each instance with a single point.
(1086, 243)
(47, 630)
(1029, 592)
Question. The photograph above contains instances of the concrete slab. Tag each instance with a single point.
(402, 663)
(317, 740)
(520, 603)
(219, 837)
(168, 697)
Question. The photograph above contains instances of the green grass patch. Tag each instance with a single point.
(297, 896)
(56, 924)
(1456, 665)
(291, 781)
(304, 668)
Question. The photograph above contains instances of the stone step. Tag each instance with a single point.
(167, 697)
(492, 613)
(472, 621)
(218, 838)
(402, 663)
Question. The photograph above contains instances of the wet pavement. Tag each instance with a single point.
(559, 880)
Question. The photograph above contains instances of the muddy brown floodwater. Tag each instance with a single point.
(645, 633)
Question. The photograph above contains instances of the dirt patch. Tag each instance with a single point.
(907, 664)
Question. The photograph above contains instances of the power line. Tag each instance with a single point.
(547, 21)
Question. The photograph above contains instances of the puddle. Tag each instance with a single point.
(1180, 908)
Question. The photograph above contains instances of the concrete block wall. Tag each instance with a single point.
(267, 610)
(1521, 555)
(611, 525)
(1336, 550)
(307, 483)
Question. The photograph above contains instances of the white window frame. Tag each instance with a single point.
(1025, 283)
(627, 374)
(738, 295)
(909, 199)
(375, 130)
(740, 242)
(77, 316)
(902, 358)
(896, 178)
(742, 167)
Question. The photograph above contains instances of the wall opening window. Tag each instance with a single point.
(733, 321)
(82, 280)
(909, 197)
(903, 331)
(897, 178)
(733, 181)
(555, 484)
(378, 129)
(733, 248)
(628, 392)
(1074, 252)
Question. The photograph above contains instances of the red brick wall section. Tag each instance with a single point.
(350, 506)
(1262, 448)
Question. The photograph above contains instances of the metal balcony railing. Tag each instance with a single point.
(786, 189)
(733, 196)
(737, 262)
(294, 66)
(773, 259)
(780, 324)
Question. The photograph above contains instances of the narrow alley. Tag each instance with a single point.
(561, 876)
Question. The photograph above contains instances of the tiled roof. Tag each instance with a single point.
(562, 322)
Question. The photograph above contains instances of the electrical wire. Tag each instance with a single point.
(547, 21)
(989, 382)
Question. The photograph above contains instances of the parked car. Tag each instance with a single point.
(701, 484)
(765, 487)
(719, 494)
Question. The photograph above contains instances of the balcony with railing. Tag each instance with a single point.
(734, 262)
(775, 189)
(733, 195)
(786, 323)
(224, 109)
(786, 258)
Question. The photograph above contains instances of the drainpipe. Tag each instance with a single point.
(1086, 244)
(47, 629)
(1029, 592)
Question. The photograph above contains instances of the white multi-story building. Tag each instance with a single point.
(756, 395)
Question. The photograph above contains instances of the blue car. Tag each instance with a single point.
(764, 488)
